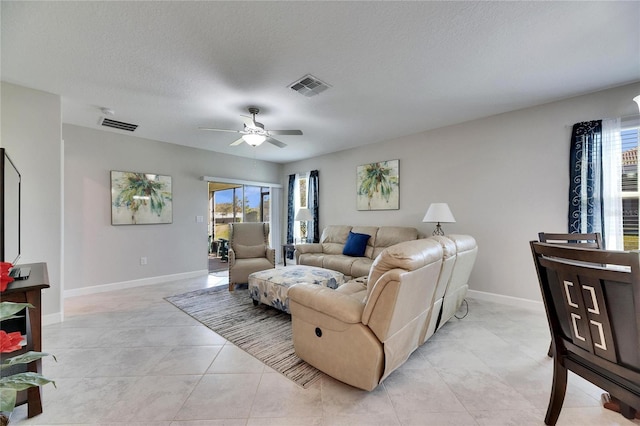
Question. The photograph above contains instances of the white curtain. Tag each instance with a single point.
(296, 206)
(612, 184)
(275, 221)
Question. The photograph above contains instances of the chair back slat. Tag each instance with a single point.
(588, 240)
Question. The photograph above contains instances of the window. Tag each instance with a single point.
(300, 201)
(629, 192)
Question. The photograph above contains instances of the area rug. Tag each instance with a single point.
(261, 331)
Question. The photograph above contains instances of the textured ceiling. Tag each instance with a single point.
(396, 68)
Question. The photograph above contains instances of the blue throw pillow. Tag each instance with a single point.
(356, 244)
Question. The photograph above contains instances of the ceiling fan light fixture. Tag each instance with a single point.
(254, 139)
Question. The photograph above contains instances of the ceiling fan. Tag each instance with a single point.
(254, 133)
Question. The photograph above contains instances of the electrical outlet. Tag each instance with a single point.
(143, 261)
(199, 219)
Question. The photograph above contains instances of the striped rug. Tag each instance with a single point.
(261, 331)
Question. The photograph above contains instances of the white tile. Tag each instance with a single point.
(221, 396)
(278, 396)
(232, 359)
(186, 360)
(341, 399)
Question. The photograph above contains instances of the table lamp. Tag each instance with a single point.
(303, 216)
(439, 212)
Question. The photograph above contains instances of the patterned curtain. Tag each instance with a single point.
(314, 206)
(585, 185)
(290, 210)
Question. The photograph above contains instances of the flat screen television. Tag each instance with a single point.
(9, 209)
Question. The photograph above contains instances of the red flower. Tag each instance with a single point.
(5, 279)
(10, 342)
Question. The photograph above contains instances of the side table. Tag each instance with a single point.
(286, 248)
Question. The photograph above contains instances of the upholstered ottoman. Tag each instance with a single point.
(270, 286)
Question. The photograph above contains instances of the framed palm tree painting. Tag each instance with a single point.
(378, 186)
(140, 198)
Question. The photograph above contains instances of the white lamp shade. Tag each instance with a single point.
(439, 212)
(304, 214)
(637, 100)
(253, 139)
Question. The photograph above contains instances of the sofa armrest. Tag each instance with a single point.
(306, 248)
(327, 301)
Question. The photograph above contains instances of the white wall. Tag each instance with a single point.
(31, 133)
(101, 254)
(504, 177)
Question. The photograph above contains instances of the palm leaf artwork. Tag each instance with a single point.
(144, 197)
(378, 185)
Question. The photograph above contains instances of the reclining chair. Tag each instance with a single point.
(249, 251)
(360, 333)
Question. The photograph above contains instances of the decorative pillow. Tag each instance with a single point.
(356, 244)
(248, 252)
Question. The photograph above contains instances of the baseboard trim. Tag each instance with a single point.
(49, 319)
(506, 300)
(102, 288)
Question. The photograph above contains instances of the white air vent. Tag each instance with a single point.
(309, 86)
(107, 122)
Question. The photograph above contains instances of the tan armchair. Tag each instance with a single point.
(249, 251)
(365, 329)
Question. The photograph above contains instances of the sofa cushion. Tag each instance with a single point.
(356, 244)
(333, 238)
(339, 262)
(247, 252)
(391, 235)
(311, 259)
(361, 267)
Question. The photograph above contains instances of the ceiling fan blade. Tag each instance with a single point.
(238, 142)
(276, 142)
(286, 132)
(248, 121)
(219, 130)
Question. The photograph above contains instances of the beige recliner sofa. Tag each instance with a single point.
(328, 252)
(362, 331)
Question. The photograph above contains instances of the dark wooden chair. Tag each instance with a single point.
(592, 301)
(588, 240)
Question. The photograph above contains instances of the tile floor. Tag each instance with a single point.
(130, 358)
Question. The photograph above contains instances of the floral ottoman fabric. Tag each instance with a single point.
(271, 286)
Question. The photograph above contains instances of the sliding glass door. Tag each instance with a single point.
(234, 203)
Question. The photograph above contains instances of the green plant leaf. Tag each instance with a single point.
(25, 358)
(22, 381)
(8, 309)
(7, 399)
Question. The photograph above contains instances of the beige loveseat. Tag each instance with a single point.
(328, 252)
(366, 328)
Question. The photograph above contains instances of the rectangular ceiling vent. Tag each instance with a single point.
(107, 122)
(309, 86)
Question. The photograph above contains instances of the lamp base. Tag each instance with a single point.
(438, 230)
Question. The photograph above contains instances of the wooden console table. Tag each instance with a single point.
(29, 291)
